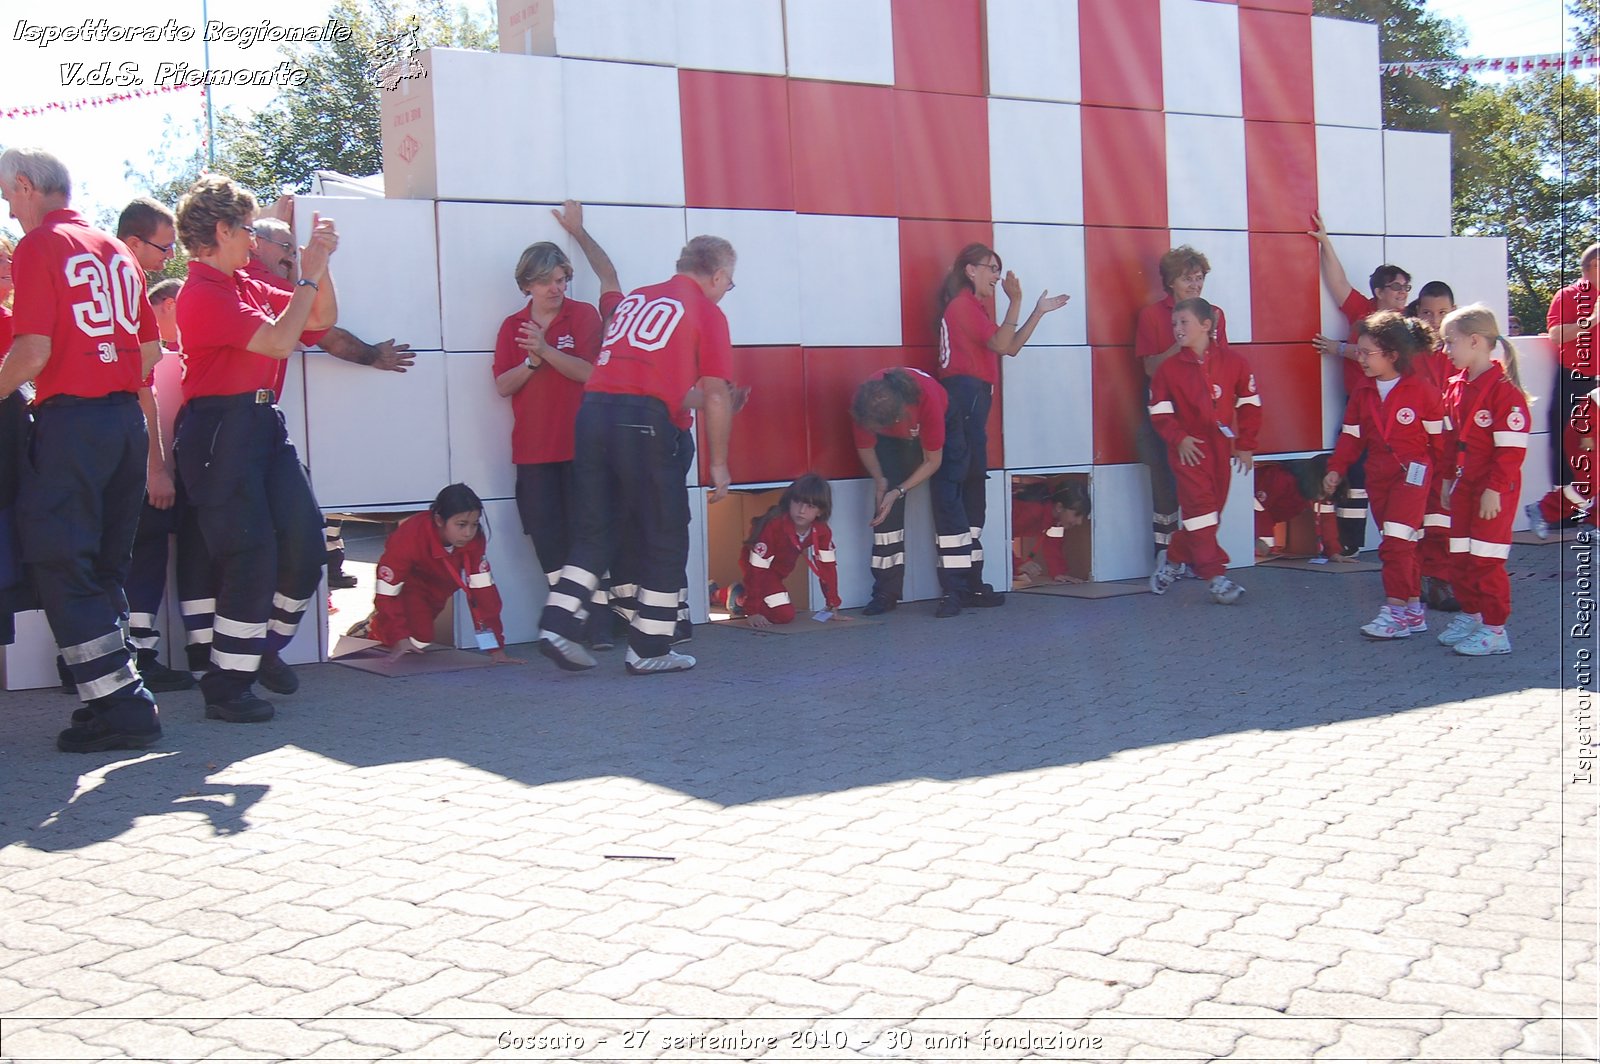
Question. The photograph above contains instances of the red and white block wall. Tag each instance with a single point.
(848, 149)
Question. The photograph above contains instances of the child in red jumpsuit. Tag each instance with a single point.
(1043, 515)
(428, 559)
(1573, 501)
(1283, 492)
(1486, 418)
(1203, 402)
(795, 528)
(1395, 418)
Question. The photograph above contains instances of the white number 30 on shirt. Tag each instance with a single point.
(113, 294)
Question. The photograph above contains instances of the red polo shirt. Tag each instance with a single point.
(545, 411)
(964, 335)
(83, 289)
(218, 315)
(923, 422)
(662, 339)
(1571, 303)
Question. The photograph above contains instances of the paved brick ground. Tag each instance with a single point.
(1134, 828)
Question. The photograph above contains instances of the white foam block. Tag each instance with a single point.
(1047, 258)
(852, 539)
(699, 569)
(1048, 409)
(517, 575)
(386, 268)
(1228, 283)
(1416, 183)
(440, 140)
(643, 243)
(624, 138)
(997, 531)
(623, 30)
(1536, 363)
(737, 35)
(1350, 179)
(1200, 59)
(840, 40)
(1473, 266)
(1236, 534)
(1038, 40)
(1035, 161)
(1344, 71)
(479, 244)
(376, 439)
(480, 426)
(859, 305)
(28, 663)
(765, 308)
(1120, 533)
(1205, 171)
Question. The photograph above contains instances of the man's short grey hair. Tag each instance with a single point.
(44, 171)
(276, 228)
(705, 255)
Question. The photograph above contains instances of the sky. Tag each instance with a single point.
(97, 143)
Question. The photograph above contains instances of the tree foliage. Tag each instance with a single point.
(1407, 32)
(332, 122)
(1523, 150)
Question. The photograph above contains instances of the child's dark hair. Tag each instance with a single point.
(1072, 497)
(1308, 474)
(882, 401)
(455, 499)
(1200, 308)
(1400, 337)
(812, 488)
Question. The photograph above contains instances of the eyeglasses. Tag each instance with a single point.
(165, 249)
(995, 266)
(287, 245)
(1398, 287)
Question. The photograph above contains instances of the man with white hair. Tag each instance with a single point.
(86, 338)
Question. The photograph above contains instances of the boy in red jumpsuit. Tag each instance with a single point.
(1203, 402)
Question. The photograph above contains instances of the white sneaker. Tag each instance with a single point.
(568, 654)
(1483, 641)
(1224, 592)
(1417, 622)
(1186, 573)
(1164, 577)
(1388, 624)
(1536, 522)
(671, 661)
(1461, 627)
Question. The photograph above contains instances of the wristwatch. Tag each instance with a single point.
(306, 282)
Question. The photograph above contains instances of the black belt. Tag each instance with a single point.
(61, 401)
(259, 397)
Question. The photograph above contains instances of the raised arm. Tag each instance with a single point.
(570, 216)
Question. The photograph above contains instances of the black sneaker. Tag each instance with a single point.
(982, 597)
(599, 632)
(91, 735)
(682, 632)
(276, 676)
(247, 708)
(159, 679)
(341, 581)
(949, 606)
(879, 605)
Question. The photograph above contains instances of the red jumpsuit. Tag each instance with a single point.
(772, 558)
(1576, 498)
(1037, 518)
(416, 577)
(1214, 399)
(1402, 436)
(1278, 499)
(1487, 421)
(1434, 550)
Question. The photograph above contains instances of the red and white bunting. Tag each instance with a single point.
(89, 102)
(1520, 64)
